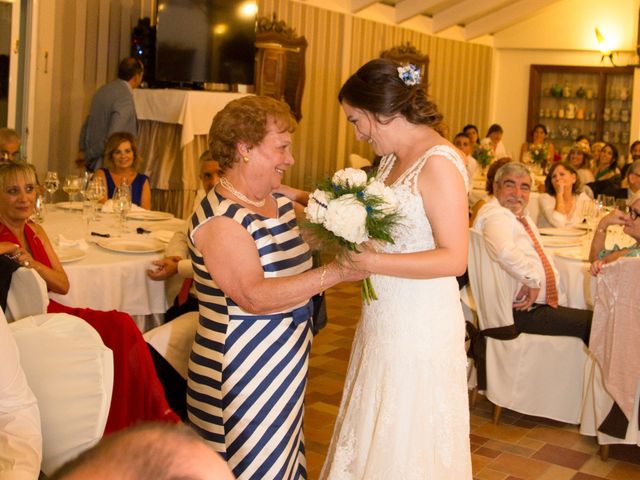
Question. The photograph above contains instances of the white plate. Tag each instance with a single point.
(69, 205)
(70, 254)
(149, 215)
(579, 256)
(131, 245)
(562, 232)
(554, 242)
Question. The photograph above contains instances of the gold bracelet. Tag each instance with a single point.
(324, 272)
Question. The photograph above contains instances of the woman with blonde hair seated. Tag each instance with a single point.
(579, 158)
(562, 205)
(137, 392)
(121, 159)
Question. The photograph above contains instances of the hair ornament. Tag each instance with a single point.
(409, 74)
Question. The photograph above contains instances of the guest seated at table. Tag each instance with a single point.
(121, 159)
(606, 171)
(463, 142)
(598, 255)
(177, 260)
(562, 205)
(585, 142)
(255, 283)
(471, 131)
(538, 139)
(491, 174)
(606, 163)
(9, 145)
(630, 184)
(514, 243)
(137, 393)
(494, 134)
(579, 158)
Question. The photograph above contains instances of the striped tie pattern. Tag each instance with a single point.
(551, 291)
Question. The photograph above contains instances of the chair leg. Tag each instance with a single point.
(473, 397)
(497, 410)
(604, 452)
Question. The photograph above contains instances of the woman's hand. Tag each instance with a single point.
(17, 254)
(596, 267)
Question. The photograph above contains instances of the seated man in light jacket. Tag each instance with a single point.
(176, 260)
(513, 241)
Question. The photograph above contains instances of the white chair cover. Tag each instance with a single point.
(70, 371)
(174, 339)
(27, 294)
(614, 340)
(20, 433)
(533, 374)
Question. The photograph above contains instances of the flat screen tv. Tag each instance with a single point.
(206, 41)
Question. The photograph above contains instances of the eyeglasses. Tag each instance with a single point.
(633, 213)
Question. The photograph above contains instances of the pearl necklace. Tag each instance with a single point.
(229, 186)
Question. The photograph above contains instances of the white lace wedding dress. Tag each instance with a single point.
(404, 412)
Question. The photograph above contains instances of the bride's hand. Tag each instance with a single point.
(364, 259)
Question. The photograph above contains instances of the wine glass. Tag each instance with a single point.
(122, 205)
(94, 193)
(72, 186)
(51, 184)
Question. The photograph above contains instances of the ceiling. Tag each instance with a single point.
(476, 17)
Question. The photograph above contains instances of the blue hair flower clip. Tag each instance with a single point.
(409, 74)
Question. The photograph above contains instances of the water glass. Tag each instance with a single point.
(122, 205)
(51, 184)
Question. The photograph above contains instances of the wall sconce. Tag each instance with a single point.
(604, 48)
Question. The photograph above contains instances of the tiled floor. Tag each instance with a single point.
(520, 447)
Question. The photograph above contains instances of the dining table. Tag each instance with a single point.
(569, 248)
(107, 262)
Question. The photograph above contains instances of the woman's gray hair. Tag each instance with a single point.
(512, 168)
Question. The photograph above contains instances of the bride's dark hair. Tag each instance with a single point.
(377, 88)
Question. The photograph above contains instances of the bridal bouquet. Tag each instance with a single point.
(484, 153)
(538, 153)
(352, 208)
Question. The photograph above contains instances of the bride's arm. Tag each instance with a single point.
(445, 203)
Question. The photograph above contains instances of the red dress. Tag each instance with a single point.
(137, 393)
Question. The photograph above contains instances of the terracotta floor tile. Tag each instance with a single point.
(595, 466)
(556, 472)
(488, 452)
(560, 437)
(531, 443)
(586, 476)
(624, 471)
(564, 457)
(488, 474)
(515, 448)
(507, 433)
(527, 468)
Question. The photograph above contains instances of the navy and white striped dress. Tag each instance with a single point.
(247, 372)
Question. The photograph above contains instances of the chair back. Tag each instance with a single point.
(20, 432)
(492, 287)
(27, 294)
(174, 339)
(70, 371)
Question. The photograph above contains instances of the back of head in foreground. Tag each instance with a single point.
(152, 451)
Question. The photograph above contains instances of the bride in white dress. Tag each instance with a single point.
(404, 412)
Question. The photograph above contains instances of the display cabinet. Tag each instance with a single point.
(572, 101)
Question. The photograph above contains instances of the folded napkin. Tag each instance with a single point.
(66, 243)
(163, 235)
(108, 207)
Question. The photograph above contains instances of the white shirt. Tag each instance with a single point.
(509, 244)
(551, 218)
(20, 433)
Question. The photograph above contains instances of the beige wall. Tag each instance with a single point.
(88, 38)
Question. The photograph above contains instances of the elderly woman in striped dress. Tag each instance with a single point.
(248, 366)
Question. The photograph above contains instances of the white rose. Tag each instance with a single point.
(346, 217)
(380, 190)
(317, 206)
(350, 177)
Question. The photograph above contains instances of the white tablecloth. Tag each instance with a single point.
(107, 280)
(192, 109)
